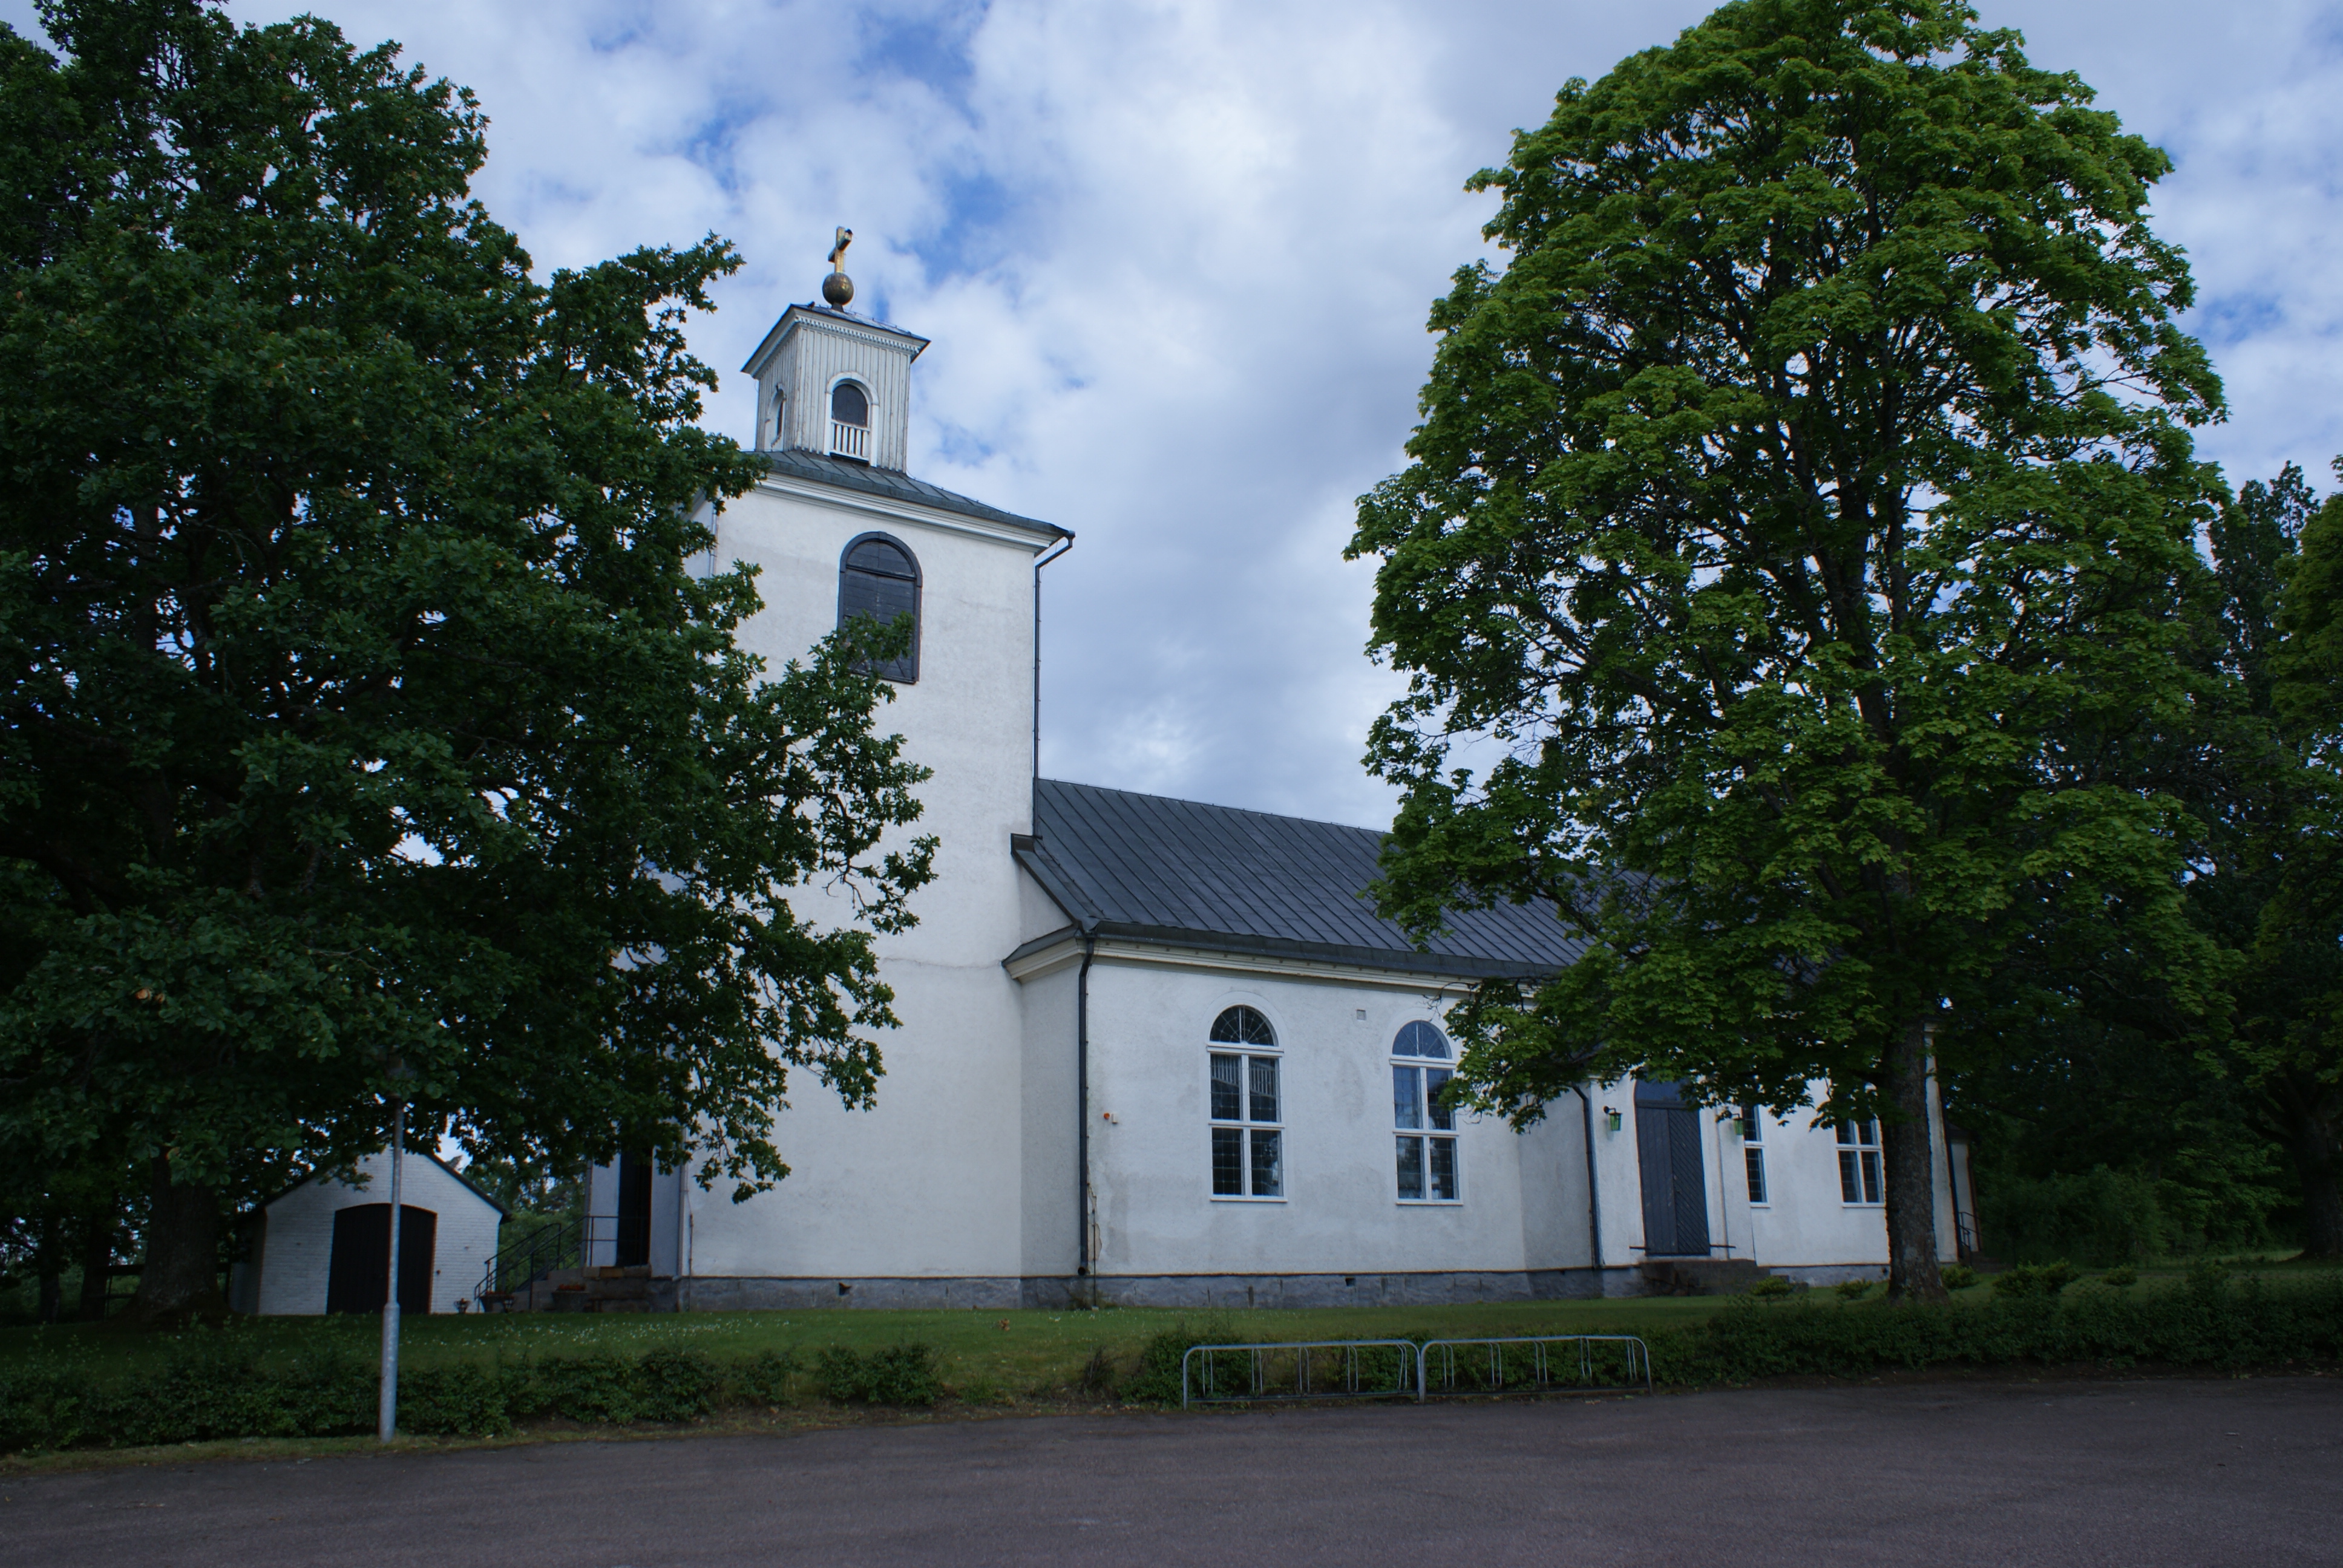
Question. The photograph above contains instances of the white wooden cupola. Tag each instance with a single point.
(832, 382)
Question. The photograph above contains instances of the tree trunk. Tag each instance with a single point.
(97, 1263)
(1907, 1145)
(181, 1280)
(2311, 1140)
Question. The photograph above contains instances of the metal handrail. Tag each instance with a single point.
(565, 1244)
(1258, 1385)
(1541, 1361)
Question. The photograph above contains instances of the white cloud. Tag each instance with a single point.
(1175, 260)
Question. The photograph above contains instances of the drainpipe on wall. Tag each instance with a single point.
(1083, 1110)
(1063, 545)
(1594, 1193)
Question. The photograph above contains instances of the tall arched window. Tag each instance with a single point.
(1427, 1129)
(879, 578)
(1248, 1137)
(849, 422)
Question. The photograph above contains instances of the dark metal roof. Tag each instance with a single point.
(1175, 871)
(898, 485)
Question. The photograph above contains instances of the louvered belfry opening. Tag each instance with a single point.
(849, 422)
(879, 578)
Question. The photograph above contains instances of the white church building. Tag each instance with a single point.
(1153, 1052)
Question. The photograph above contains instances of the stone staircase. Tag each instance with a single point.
(628, 1289)
(1700, 1276)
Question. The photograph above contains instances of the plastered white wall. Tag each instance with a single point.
(296, 1242)
(930, 1182)
(1152, 1150)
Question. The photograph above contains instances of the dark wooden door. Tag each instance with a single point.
(357, 1273)
(1675, 1176)
(634, 1211)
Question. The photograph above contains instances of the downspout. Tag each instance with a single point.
(1083, 1110)
(1594, 1193)
(1063, 547)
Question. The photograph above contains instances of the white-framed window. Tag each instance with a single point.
(1752, 1153)
(849, 422)
(1248, 1108)
(1858, 1162)
(1426, 1141)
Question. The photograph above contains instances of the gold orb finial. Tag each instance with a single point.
(838, 288)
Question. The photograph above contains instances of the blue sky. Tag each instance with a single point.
(1175, 261)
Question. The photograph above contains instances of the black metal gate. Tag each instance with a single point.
(1675, 1179)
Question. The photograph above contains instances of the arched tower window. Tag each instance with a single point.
(849, 422)
(878, 578)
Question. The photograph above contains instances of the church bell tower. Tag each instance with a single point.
(834, 383)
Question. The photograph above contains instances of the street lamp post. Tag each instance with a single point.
(387, 1417)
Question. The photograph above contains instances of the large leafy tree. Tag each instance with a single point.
(2274, 888)
(1797, 522)
(366, 731)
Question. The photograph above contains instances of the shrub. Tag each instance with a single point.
(1772, 1285)
(1854, 1290)
(2122, 1277)
(1958, 1276)
(2100, 1217)
(2035, 1279)
(1099, 1375)
(762, 1378)
(894, 1374)
(1157, 1381)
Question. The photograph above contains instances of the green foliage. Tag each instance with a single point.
(1772, 1285)
(1854, 1290)
(1958, 1276)
(1795, 516)
(2210, 1321)
(2035, 1279)
(891, 1374)
(211, 1387)
(2097, 1218)
(1100, 1375)
(1157, 1379)
(348, 604)
(2123, 1277)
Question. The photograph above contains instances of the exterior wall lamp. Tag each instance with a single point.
(1611, 1119)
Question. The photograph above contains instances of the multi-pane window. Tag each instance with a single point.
(1248, 1139)
(1426, 1138)
(878, 579)
(1858, 1162)
(1753, 1151)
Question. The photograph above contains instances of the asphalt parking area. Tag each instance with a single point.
(2135, 1472)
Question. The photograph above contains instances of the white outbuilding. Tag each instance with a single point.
(323, 1245)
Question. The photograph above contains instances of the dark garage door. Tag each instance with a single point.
(356, 1278)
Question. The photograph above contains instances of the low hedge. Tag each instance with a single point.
(2210, 1321)
(209, 1390)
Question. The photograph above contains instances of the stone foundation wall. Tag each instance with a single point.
(1197, 1291)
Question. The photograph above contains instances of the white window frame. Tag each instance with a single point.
(851, 440)
(1430, 1125)
(1754, 1177)
(1248, 1128)
(1862, 1166)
